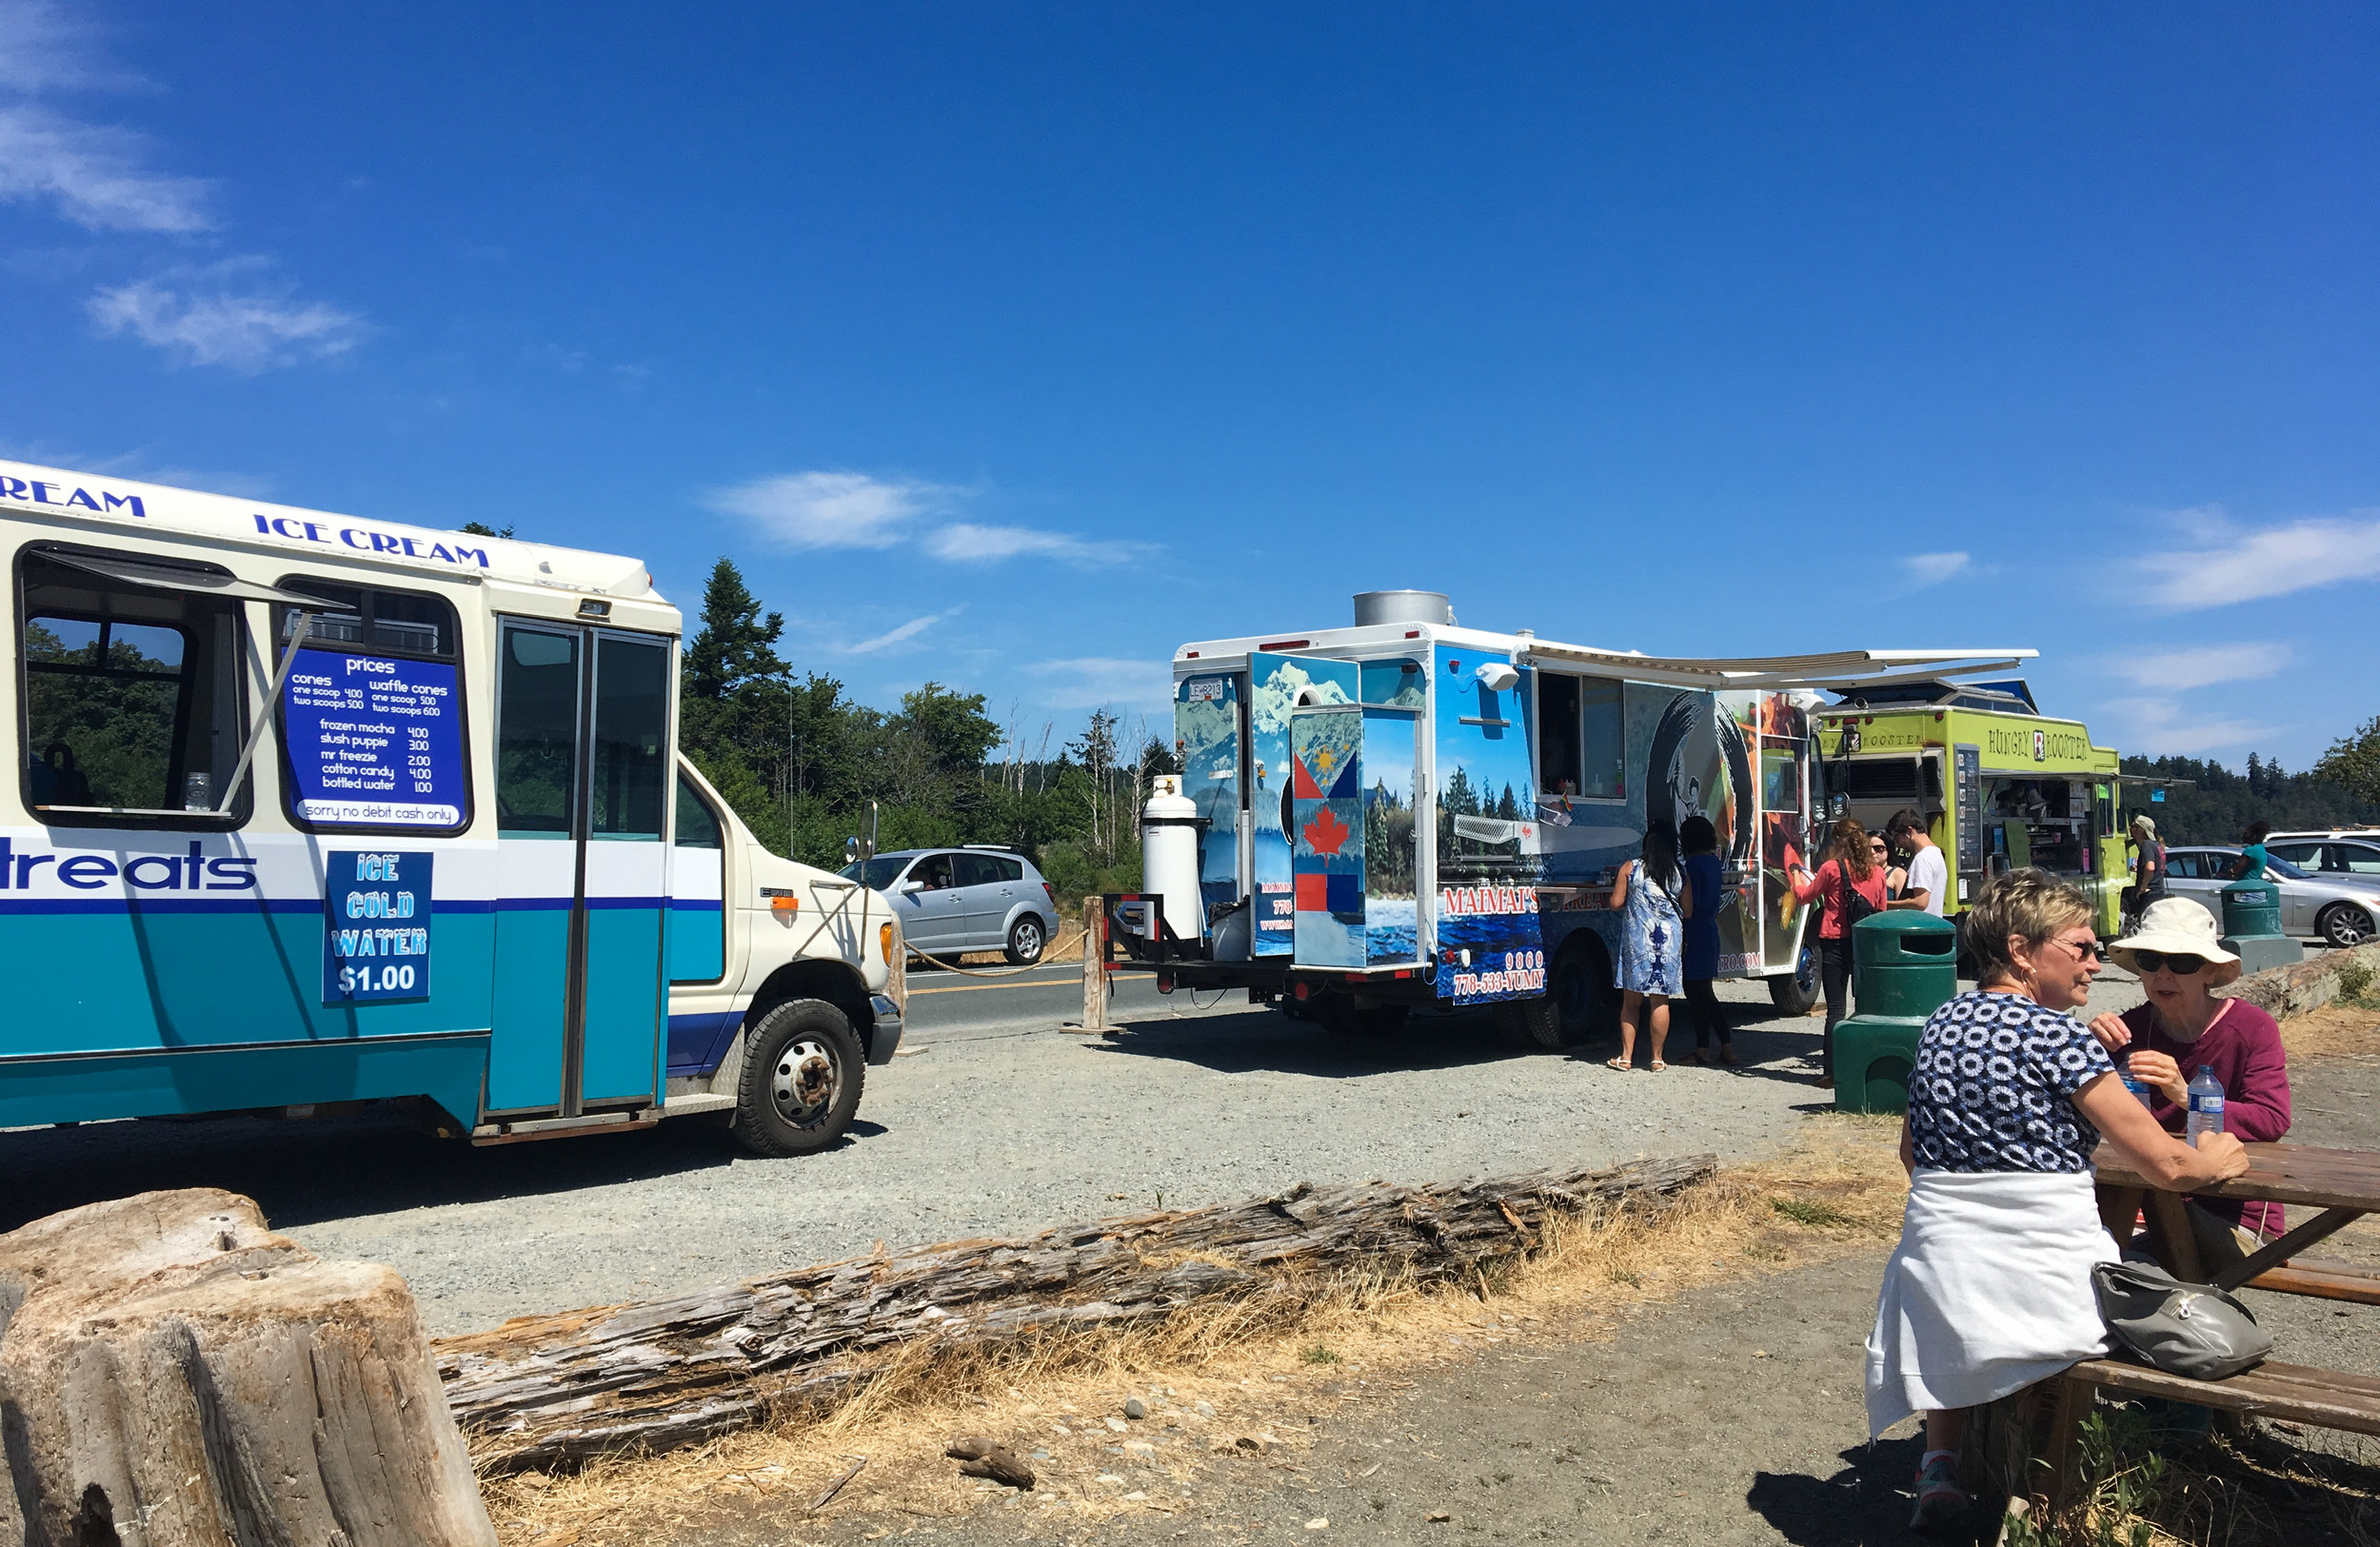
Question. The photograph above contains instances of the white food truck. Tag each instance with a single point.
(312, 809)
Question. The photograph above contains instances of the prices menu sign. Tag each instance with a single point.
(374, 742)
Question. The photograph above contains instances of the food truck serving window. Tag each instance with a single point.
(372, 722)
(1583, 737)
(130, 692)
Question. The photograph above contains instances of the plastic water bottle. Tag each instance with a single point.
(2205, 1104)
(2142, 1091)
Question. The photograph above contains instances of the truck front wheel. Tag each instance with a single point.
(803, 1070)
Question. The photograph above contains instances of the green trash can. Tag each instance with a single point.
(2252, 926)
(1904, 968)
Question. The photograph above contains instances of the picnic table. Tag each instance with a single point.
(2343, 1184)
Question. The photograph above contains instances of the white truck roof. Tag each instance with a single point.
(103, 501)
(1820, 670)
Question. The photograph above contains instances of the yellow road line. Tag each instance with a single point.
(985, 988)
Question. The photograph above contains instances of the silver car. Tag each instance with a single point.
(2328, 854)
(972, 899)
(2340, 908)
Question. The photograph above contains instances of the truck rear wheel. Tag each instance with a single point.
(800, 1084)
(1582, 989)
(1533, 1023)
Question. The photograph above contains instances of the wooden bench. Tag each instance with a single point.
(2293, 1393)
(2350, 1281)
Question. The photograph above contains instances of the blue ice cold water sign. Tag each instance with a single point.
(376, 934)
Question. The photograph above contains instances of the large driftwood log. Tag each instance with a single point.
(173, 1373)
(545, 1390)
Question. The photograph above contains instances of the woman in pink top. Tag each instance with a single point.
(1850, 869)
(2184, 1027)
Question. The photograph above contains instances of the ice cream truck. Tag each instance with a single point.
(311, 809)
(2000, 785)
(1406, 813)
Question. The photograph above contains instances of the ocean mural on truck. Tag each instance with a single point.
(1390, 897)
(1277, 686)
(1489, 946)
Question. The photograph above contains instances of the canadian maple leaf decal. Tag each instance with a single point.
(1325, 834)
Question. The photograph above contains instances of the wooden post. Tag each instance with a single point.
(1094, 966)
(897, 970)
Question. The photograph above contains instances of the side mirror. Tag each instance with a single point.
(912, 884)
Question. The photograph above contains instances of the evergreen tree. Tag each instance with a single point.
(735, 645)
(2353, 762)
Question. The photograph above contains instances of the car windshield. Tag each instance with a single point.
(2286, 871)
(875, 873)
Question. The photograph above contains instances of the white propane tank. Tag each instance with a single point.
(1169, 857)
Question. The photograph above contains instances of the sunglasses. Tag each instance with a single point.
(2093, 951)
(2180, 964)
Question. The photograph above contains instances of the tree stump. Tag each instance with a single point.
(171, 1371)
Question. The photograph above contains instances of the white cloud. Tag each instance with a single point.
(246, 332)
(40, 48)
(2177, 670)
(1105, 682)
(2155, 728)
(2248, 567)
(858, 510)
(897, 636)
(833, 510)
(1933, 568)
(94, 174)
(967, 543)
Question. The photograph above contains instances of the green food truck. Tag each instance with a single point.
(2000, 785)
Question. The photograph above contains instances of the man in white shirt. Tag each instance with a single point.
(1928, 872)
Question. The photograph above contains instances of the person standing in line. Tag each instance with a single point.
(1649, 931)
(1929, 881)
(1848, 886)
(2148, 868)
(1989, 1288)
(1699, 963)
(1895, 878)
(2252, 858)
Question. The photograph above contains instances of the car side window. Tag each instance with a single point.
(2299, 853)
(2355, 859)
(934, 870)
(1009, 869)
(975, 869)
(2184, 866)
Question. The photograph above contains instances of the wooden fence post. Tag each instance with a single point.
(1094, 966)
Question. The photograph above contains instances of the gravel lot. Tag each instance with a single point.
(999, 1131)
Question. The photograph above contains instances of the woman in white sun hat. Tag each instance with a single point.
(2184, 1027)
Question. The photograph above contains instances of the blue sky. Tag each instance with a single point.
(1012, 346)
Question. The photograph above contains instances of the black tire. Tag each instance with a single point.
(1796, 992)
(2345, 925)
(800, 1080)
(1027, 939)
(1583, 990)
(1534, 1023)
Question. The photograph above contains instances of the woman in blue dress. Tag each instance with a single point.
(1649, 941)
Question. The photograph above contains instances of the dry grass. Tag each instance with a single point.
(2335, 1031)
(1268, 1368)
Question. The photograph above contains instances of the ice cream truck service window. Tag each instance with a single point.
(1583, 737)
(372, 722)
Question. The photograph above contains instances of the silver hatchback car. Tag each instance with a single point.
(970, 898)
(2342, 908)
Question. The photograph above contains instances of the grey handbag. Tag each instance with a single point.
(2184, 1329)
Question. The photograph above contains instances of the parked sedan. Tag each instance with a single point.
(974, 899)
(2340, 908)
(2328, 854)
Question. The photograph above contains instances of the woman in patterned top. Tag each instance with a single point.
(1989, 1288)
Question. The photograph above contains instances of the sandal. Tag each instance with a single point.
(1621, 1064)
(1658, 1066)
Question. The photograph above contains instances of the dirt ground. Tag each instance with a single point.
(1723, 1409)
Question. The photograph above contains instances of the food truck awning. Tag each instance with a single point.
(167, 575)
(1833, 670)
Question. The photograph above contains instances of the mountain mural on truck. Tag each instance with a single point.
(1207, 739)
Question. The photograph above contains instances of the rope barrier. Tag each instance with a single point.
(994, 972)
